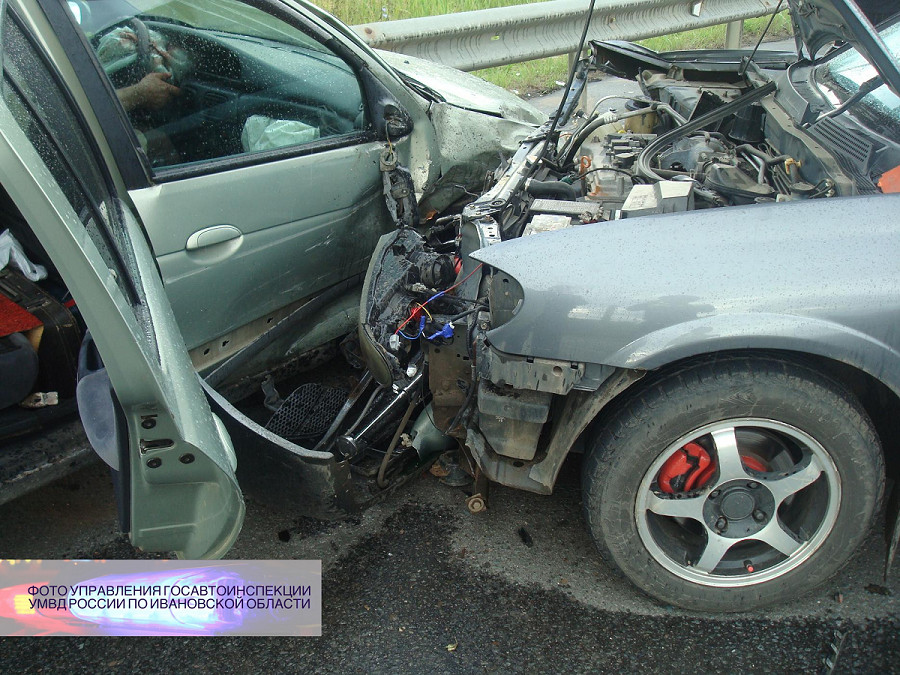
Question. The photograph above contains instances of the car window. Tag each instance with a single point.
(203, 81)
(41, 107)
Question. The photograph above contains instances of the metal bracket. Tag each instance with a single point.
(399, 190)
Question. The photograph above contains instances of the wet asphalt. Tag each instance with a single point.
(416, 584)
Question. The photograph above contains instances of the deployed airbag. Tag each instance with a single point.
(264, 133)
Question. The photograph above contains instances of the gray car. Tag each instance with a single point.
(699, 291)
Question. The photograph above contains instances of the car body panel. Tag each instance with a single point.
(818, 277)
(462, 154)
(464, 90)
(321, 219)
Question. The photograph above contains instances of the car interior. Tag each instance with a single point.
(237, 94)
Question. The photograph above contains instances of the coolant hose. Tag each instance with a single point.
(759, 154)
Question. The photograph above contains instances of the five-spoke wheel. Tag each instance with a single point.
(742, 525)
(733, 484)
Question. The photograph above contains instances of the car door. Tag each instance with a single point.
(263, 162)
(175, 461)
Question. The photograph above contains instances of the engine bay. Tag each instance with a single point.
(684, 145)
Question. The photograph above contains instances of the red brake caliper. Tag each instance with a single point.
(688, 469)
(691, 468)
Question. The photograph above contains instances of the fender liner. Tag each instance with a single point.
(579, 410)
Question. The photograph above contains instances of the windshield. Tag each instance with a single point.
(225, 16)
(843, 75)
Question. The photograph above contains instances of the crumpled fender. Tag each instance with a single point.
(476, 125)
(470, 145)
(817, 276)
(463, 90)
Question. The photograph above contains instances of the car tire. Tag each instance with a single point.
(733, 534)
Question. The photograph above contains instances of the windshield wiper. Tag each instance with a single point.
(422, 89)
(864, 90)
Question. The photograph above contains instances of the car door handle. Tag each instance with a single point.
(210, 236)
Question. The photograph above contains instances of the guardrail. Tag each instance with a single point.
(494, 37)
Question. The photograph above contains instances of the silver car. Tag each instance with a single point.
(259, 153)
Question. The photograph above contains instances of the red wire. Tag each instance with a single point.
(419, 308)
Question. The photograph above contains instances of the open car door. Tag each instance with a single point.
(143, 406)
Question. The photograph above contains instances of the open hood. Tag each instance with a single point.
(818, 23)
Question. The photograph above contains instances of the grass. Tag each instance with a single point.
(542, 75)
(529, 77)
(354, 12)
(714, 36)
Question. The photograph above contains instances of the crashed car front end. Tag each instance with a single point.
(724, 214)
(322, 450)
(501, 358)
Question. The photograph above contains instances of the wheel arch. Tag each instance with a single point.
(880, 401)
(764, 332)
(581, 415)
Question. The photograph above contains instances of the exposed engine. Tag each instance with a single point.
(642, 161)
(427, 309)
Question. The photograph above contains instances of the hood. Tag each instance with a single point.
(820, 22)
(775, 282)
(464, 90)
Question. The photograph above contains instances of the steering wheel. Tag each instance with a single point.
(145, 58)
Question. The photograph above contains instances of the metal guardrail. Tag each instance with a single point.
(494, 37)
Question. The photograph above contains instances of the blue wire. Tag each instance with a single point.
(445, 332)
(417, 335)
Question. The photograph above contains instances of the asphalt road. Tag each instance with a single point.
(417, 575)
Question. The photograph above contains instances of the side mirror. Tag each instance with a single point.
(390, 119)
(397, 122)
